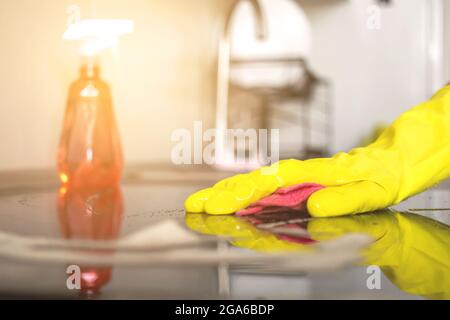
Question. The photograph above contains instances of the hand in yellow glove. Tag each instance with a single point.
(410, 156)
(413, 251)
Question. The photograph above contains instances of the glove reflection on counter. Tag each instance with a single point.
(243, 232)
(412, 251)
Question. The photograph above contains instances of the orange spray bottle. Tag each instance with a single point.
(90, 153)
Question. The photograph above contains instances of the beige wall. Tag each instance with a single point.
(162, 76)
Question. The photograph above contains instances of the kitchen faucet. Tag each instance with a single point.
(260, 23)
(223, 71)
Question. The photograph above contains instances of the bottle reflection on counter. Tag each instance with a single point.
(91, 214)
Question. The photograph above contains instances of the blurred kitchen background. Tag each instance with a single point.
(372, 63)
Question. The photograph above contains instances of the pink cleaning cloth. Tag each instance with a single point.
(293, 197)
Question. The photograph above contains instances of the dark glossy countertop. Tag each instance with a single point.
(136, 241)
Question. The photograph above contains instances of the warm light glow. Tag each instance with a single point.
(63, 177)
(89, 92)
(62, 191)
(98, 34)
(90, 277)
(90, 154)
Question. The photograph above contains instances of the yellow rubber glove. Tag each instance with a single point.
(412, 251)
(410, 156)
(243, 233)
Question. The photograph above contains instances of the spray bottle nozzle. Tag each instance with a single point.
(98, 34)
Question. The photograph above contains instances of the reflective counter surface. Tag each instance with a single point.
(136, 241)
